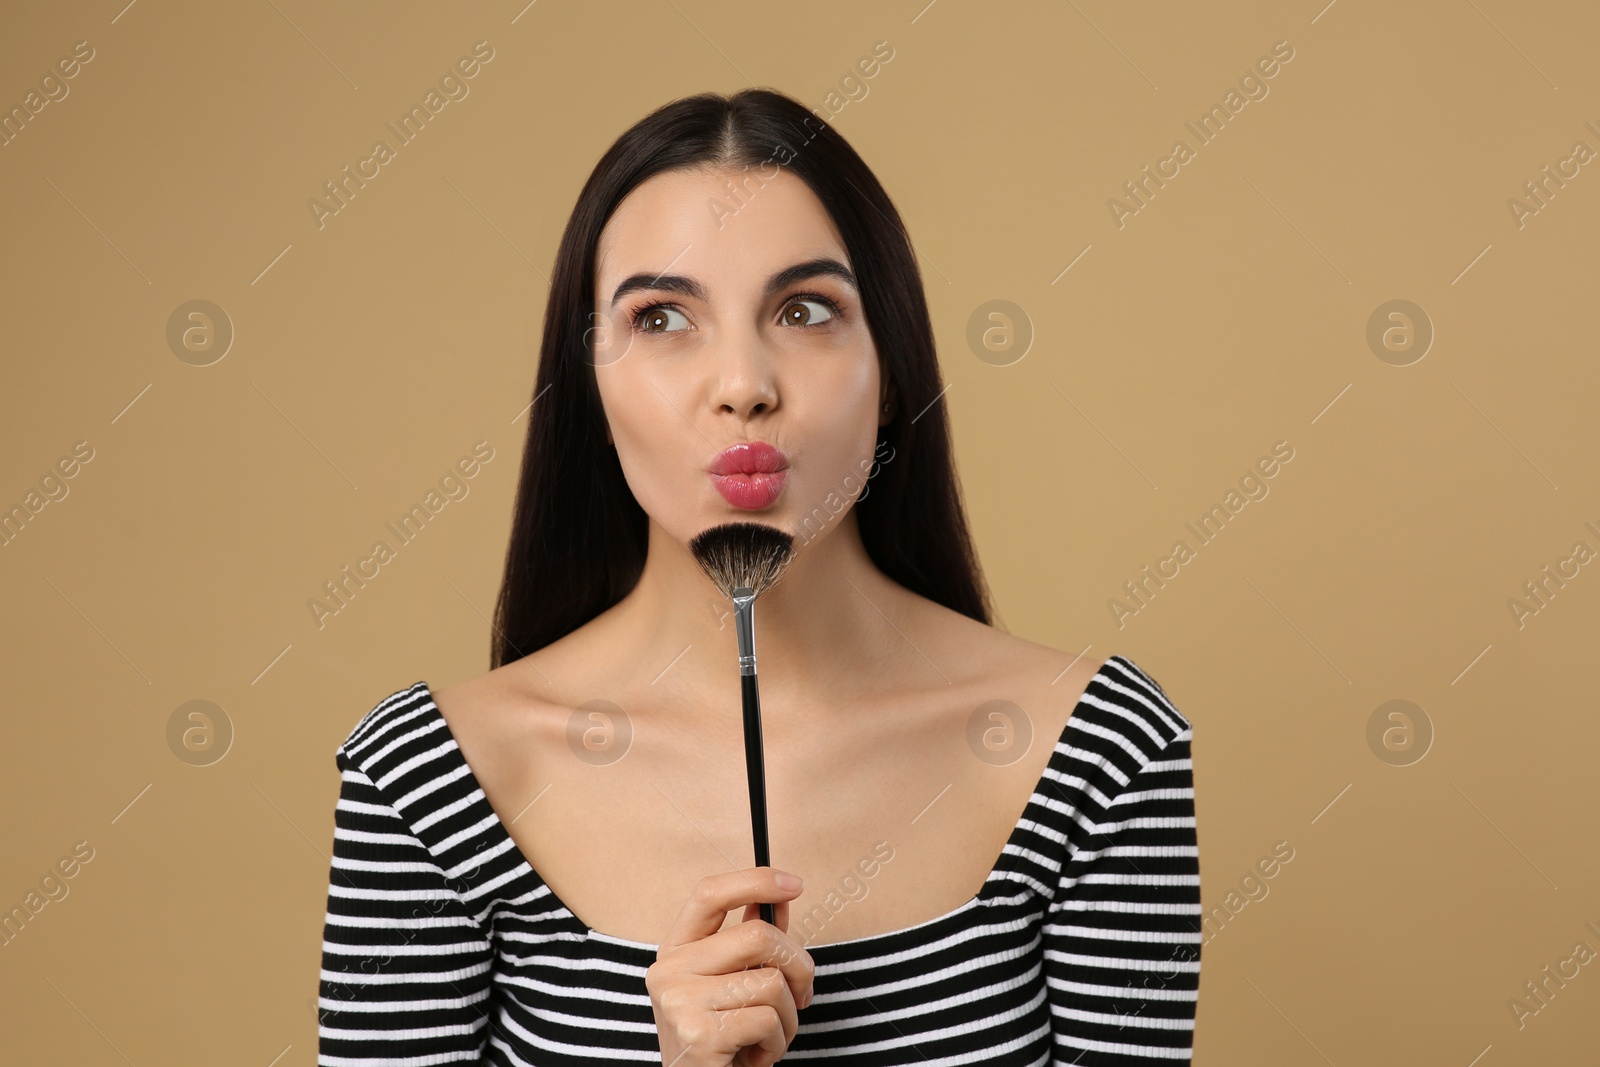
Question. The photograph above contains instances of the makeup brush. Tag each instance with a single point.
(744, 560)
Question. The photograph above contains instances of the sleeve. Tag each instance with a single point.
(1122, 936)
(405, 964)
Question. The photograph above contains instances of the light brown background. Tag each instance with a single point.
(1228, 314)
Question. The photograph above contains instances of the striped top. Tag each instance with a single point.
(443, 945)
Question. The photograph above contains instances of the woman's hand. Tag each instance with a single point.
(730, 996)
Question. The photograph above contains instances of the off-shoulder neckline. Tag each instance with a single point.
(818, 952)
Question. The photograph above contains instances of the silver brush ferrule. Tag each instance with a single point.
(744, 603)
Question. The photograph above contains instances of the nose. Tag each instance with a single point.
(745, 385)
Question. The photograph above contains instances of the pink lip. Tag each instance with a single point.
(750, 474)
(749, 457)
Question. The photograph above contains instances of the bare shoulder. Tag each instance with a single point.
(515, 702)
(1008, 662)
(979, 664)
(502, 720)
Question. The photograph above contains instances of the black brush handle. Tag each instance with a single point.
(755, 768)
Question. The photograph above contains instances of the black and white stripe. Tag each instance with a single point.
(442, 945)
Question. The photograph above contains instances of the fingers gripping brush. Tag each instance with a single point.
(744, 560)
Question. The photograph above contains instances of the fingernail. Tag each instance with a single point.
(787, 881)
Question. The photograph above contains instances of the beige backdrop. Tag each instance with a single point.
(188, 484)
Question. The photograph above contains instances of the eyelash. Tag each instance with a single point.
(828, 302)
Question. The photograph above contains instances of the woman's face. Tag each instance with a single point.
(715, 339)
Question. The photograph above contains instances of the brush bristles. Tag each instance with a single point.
(743, 555)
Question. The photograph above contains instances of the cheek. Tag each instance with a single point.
(655, 445)
(838, 423)
(836, 388)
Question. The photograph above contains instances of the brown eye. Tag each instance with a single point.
(658, 320)
(796, 313)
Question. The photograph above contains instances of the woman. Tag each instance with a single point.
(737, 331)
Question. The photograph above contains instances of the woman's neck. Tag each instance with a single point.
(829, 623)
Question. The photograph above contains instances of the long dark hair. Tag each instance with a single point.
(578, 536)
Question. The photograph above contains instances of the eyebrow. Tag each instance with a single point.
(821, 267)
